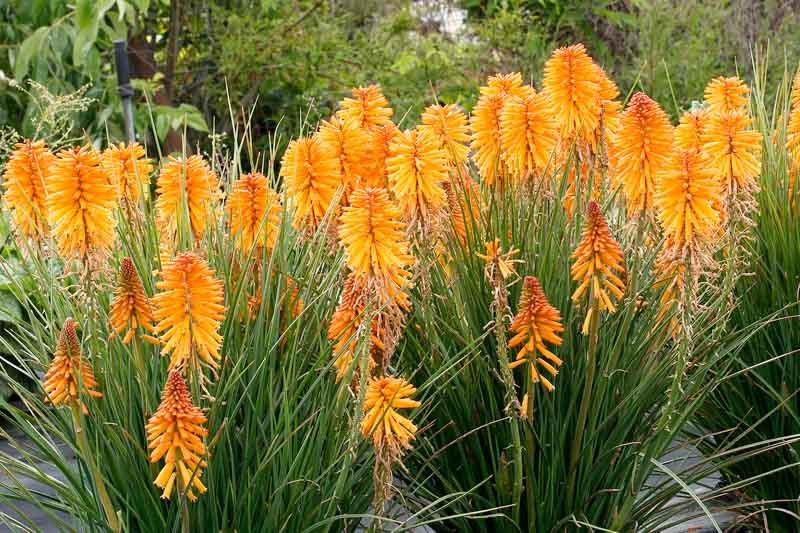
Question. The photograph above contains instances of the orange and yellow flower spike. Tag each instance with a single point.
(25, 193)
(129, 170)
(70, 377)
(175, 433)
(734, 149)
(255, 213)
(188, 180)
(448, 124)
(382, 421)
(312, 178)
(189, 310)
(368, 107)
(131, 308)
(528, 135)
(725, 95)
(689, 133)
(535, 323)
(599, 265)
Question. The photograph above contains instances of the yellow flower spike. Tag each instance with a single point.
(599, 265)
(734, 150)
(417, 167)
(175, 433)
(689, 133)
(528, 134)
(643, 152)
(129, 170)
(572, 89)
(343, 140)
(368, 107)
(312, 177)
(686, 199)
(69, 376)
(190, 180)
(382, 421)
(448, 124)
(24, 183)
(536, 323)
(372, 234)
(381, 137)
(505, 85)
(80, 204)
(189, 310)
(255, 213)
(496, 259)
(131, 308)
(486, 145)
(725, 95)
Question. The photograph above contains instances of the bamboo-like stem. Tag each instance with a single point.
(594, 323)
(83, 445)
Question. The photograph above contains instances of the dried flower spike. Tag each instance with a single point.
(188, 180)
(69, 376)
(312, 178)
(24, 184)
(175, 433)
(345, 323)
(80, 204)
(131, 307)
(599, 263)
(255, 213)
(535, 323)
(189, 312)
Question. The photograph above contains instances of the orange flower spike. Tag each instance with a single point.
(189, 310)
(689, 133)
(724, 95)
(255, 212)
(486, 146)
(368, 107)
(572, 88)
(417, 167)
(129, 170)
(373, 238)
(346, 320)
(312, 177)
(69, 376)
(448, 124)
(535, 323)
(190, 180)
(686, 199)
(734, 150)
(342, 139)
(381, 137)
(528, 134)
(382, 421)
(80, 203)
(643, 151)
(24, 183)
(131, 308)
(495, 257)
(599, 264)
(793, 128)
(175, 433)
(505, 85)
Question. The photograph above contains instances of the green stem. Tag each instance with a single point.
(83, 445)
(531, 449)
(594, 324)
(511, 398)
